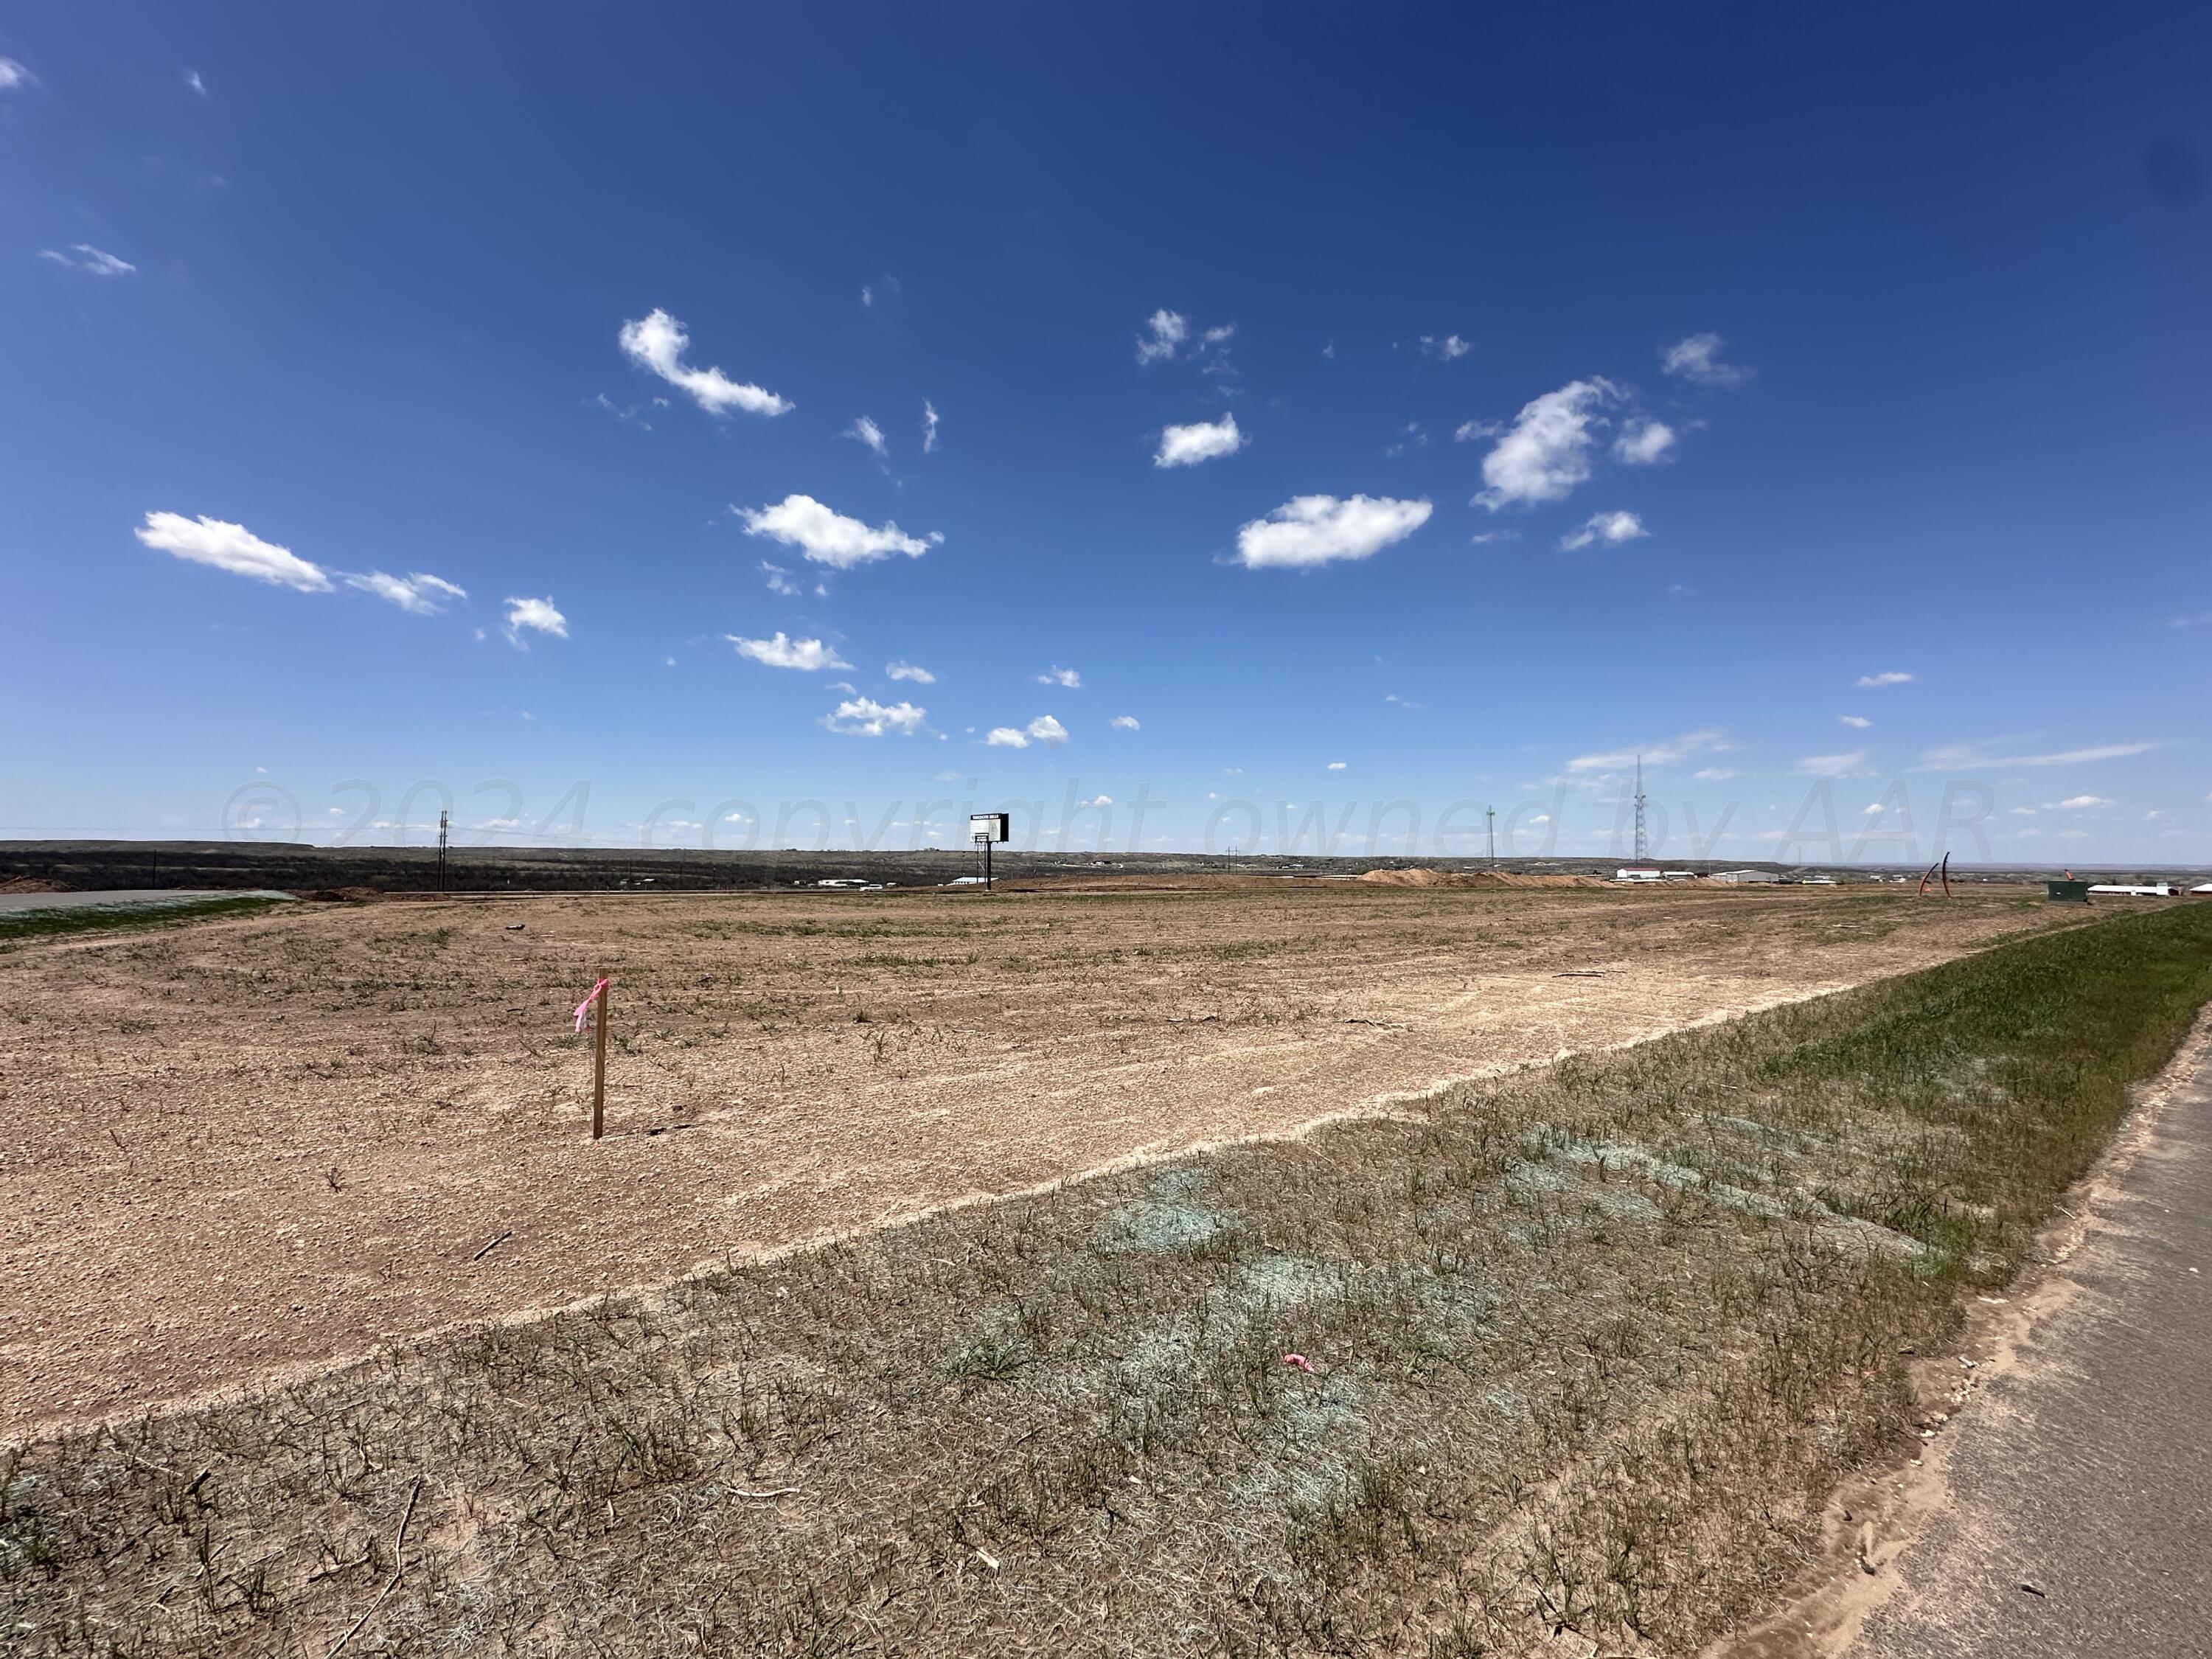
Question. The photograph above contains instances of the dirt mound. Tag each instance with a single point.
(35, 885)
(343, 895)
(1425, 878)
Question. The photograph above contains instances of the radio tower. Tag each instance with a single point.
(1643, 849)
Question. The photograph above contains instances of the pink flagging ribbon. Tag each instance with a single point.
(1298, 1362)
(587, 1003)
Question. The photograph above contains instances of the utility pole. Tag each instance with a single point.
(1490, 829)
(1642, 848)
(445, 820)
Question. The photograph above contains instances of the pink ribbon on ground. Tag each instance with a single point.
(587, 1003)
(1298, 1362)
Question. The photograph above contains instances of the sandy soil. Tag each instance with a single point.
(238, 1149)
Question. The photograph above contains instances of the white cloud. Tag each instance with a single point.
(1187, 446)
(537, 615)
(192, 80)
(1043, 729)
(779, 581)
(1697, 358)
(1891, 677)
(1872, 810)
(658, 342)
(2083, 803)
(1653, 754)
(864, 717)
(1611, 528)
(231, 547)
(867, 294)
(1450, 347)
(12, 74)
(1336, 766)
(1547, 451)
(424, 595)
(908, 670)
(83, 256)
(1058, 676)
(865, 431)
(1714, 775)
(781, 651)
(1833, 765)
(1978, 755)
(928, 426)
(1097, 800)
(1643, 442)
(829, 537)
(1168, 329)
(1483, 537)
(1309, 530)
(1859, 722)
(1124, 723)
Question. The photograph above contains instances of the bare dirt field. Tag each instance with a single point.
(239, 1148)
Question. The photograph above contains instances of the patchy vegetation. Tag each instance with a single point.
(17, 926)
(1587, 1344)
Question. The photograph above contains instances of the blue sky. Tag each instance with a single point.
(1426, 405)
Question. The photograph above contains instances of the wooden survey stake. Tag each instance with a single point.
(599, 1059)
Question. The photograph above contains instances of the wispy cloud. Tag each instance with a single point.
(908, 670)
(1124, 723)
(1611, 528)
(1187, 446)
(424, 595)
(1311, 530)
(1891, 677)
(928, 427)
(829, 537)
(1652, 754)
(83, 256)
(192, 80)
(12, 74)
(1448, 349)
(231, 547)
(1860, 722)
(864, 717)
(779, 651)
(1643, 441)
(1833, 765)
(1697, 358)
(537, 616)
(1167, 330)
(658, 342)
(1967, 755)
(865, 431)
(1058, 676)
(1546, 453)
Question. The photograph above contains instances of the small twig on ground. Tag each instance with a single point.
(494, 1245)
(399, 1572)
(771, 1492)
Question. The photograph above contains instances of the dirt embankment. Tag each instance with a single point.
(1491, 879)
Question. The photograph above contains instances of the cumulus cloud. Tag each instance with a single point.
(908, 670)
(1168, 330)
(1890, 677)
(1187, 446)
(1447, 348)
(537, 615)
(2083, 803)
(1643, 441)
(1546, 453)
(1833, 765)
(779, 651)
(829, 538)
(1043, 729)
(1310, 529)
(1611, 528)
(83, 256)
(231, 547)
(1336, 766)
(1058, 676)
(864, 717)
(1858, 721)
(928, 426)
(658, 342)
(424, 595)
(1124, 723)
(1697, 358)
(865, 431)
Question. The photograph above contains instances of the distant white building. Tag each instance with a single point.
(1639, 872)
(1744, 877)
(2137, 890)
